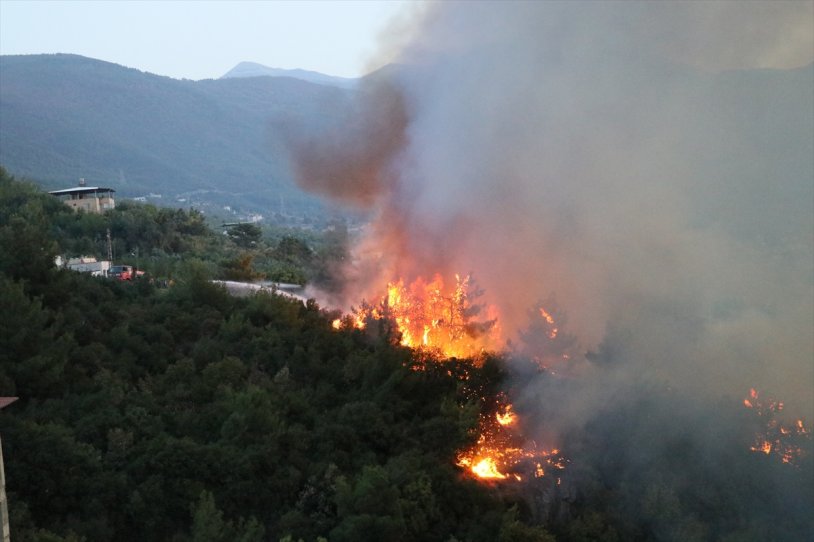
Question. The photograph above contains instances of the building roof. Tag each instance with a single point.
(81, 190)
(6, 401)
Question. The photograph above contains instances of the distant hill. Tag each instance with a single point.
(63, 117)
(252, 69)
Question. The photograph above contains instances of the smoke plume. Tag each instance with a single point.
(647, 164)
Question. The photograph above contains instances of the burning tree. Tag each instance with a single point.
(429, 316)
(442, 323)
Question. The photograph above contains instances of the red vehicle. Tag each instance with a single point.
(124, 272)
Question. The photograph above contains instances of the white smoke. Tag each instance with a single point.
(648, 163)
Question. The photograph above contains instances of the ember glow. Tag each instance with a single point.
(552, 334)
(783, 440)
(501, 453)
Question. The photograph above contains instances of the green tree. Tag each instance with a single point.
(240, 268)
(245, 235)
(208, 524)
(514, 530)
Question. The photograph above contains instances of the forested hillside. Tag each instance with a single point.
(67, 116)
(182, 413)
(187, 414)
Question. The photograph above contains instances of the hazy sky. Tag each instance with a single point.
(200, 40)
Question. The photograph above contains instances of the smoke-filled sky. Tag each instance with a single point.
(648, 164)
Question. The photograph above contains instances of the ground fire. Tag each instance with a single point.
(502, 453)
(774, 437)
(446, 323)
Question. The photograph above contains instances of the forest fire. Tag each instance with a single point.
(430, 316)
(501, 452)
(485, 468)
(507, 417)
(783, 440)
(449, 323)
(560, 212)
(491, 463)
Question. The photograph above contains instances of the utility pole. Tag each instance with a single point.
(109, 247)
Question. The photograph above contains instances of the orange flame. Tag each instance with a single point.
(507, 417)
(447, 322)
(486, 468)
(502, 453)
(775, 437)
(550, 319)
(765, 447)
(493, 462)
(432, 317)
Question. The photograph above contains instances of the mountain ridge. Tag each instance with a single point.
(253, 69)
(69, 116)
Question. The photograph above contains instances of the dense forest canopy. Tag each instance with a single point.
(183, 413)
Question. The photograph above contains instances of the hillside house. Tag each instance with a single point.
(91, 199)
(84, 264)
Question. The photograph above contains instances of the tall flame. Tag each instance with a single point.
(446, 322)
(431, 316)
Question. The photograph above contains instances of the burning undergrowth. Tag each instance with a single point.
(632, 159)
(786, 440)
(443, 323)
(677, 466)
(502, 452)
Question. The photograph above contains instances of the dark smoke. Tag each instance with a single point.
(648, 163)
(349, 158)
